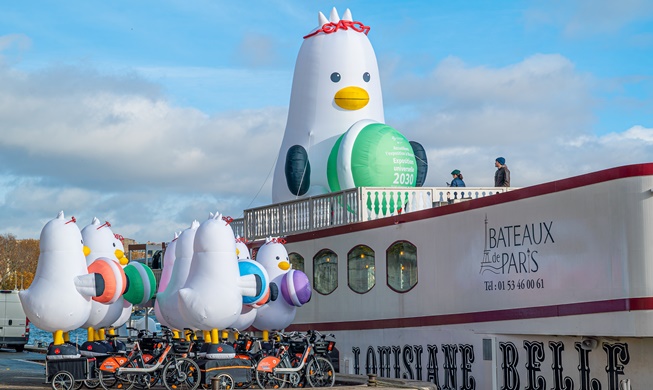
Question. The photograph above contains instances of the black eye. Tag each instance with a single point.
(277, 257)
(114, 244)
(366, 77)
(335, 77)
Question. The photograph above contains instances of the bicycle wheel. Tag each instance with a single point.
(225, 382)
(94, 382)
(109, 380)
(181, 374)
(145, 380)
(267, 380)
(63, 380)
(320, 372)
(106, 379)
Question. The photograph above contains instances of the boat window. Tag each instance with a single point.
(402, 266)
(325, 271)
(297, 261)
(360, 269)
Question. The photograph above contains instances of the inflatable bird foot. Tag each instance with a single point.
(59, 349)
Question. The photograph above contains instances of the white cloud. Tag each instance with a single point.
(540, 97)
(113, 146)
(587, 17)
(537, 113)
(19, 42)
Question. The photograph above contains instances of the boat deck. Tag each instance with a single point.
(349, 206)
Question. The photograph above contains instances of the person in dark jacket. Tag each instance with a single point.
(502, 175)
(457, 179)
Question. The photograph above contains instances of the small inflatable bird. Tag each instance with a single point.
(59, 299)
(105, 258)
(166, 275)
(168, 300)
(335, 136)
(126, 305)
(293, 285)
(214, 272)
(250, 304)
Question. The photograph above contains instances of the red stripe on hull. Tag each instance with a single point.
(615, 305)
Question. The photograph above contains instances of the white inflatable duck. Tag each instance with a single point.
(335, 137)
(293, 286)
(166, 275)
(58, 300)
(104, 255)
(126, 306)
(214, 272)
(168, 300)
(250, 305)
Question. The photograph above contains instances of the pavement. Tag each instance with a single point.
(26, 371)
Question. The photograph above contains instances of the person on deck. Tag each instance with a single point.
(457, 179)
(502, 175)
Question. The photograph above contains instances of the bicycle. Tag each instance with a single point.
(145, 348)
(139, 369)
(324, 344)
(287, 368)
(250, 348)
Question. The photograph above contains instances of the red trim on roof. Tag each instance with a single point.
(608, 306)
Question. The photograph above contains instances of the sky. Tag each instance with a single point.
(152, 114)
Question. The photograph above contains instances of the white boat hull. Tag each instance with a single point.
(534, 271)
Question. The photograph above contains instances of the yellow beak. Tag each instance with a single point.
(121, 257)
(352, 98)
(284, 265)
(87, 251)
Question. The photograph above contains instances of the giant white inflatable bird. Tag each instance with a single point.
(59, 300)
(335, 136)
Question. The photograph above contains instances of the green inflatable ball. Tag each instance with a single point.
(141, 283)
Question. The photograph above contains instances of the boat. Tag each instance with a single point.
(548, 286)
(543, 287)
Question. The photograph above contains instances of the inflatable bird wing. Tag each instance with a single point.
(168, 300)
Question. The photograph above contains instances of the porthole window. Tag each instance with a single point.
(325, 271)
(360, 269)
(297, 261)
(402, 266)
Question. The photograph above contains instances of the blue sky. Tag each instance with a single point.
(150, 114)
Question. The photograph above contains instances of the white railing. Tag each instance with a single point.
(238, 225)
(349, 206)
(453, 194)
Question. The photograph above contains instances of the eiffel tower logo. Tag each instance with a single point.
(486, 263)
